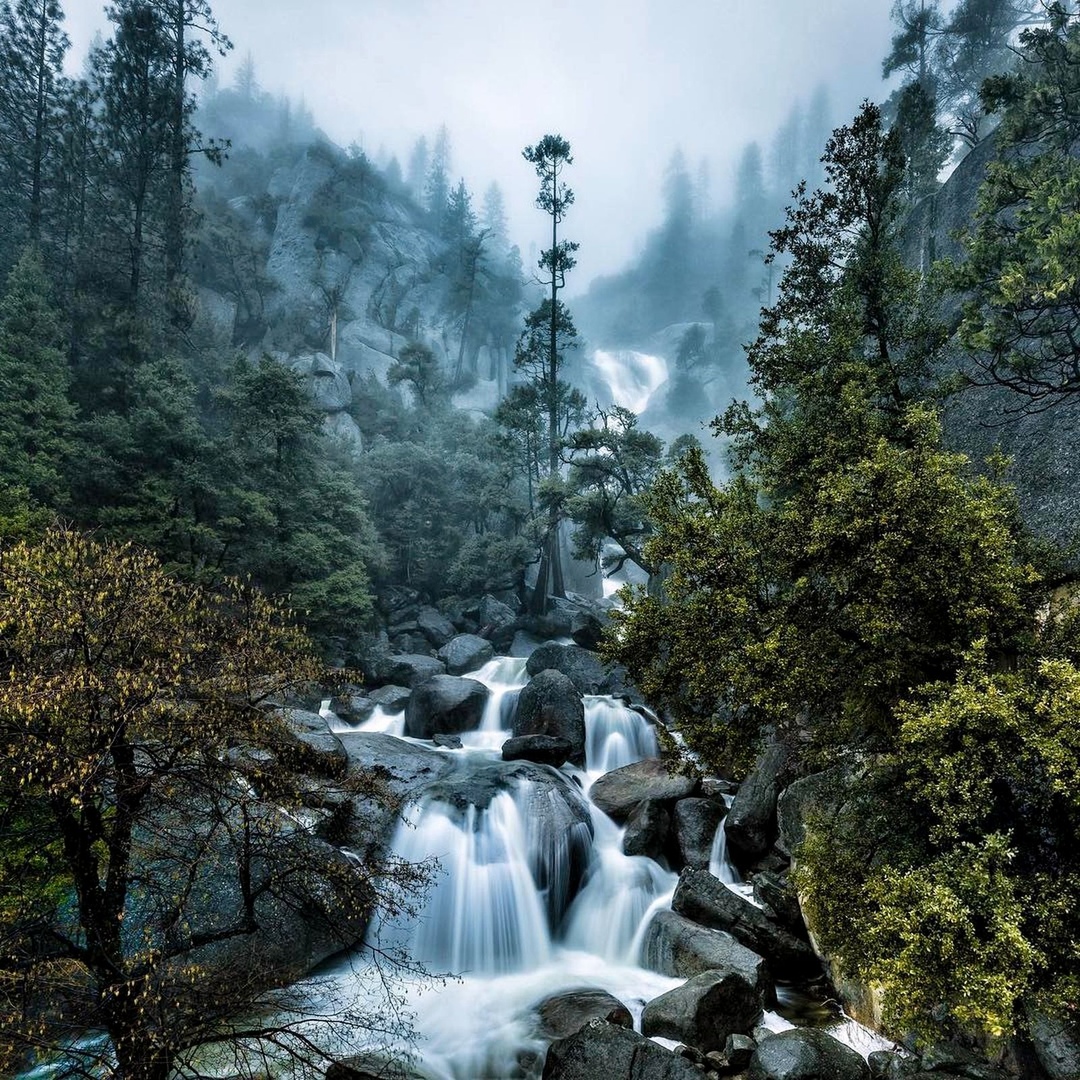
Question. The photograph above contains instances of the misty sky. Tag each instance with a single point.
(626, 81)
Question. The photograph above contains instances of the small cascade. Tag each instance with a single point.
(608, 915)
(504, 677)
(484, 914)
(615, 735)
(721, 866)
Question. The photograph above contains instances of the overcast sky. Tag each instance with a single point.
(626, 81)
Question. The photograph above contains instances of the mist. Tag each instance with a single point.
(626, 81)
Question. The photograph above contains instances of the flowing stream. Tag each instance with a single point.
(503, 915)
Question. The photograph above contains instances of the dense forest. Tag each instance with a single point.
(268, 404)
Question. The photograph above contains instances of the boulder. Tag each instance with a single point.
(387, 771)
(647, 830)
(586, 670)
(522, 643)
(706, 900)
(673, 945)
(751, 822)
(435, 626)
(543, 749)
(494, 614)
(352, 707)
(465, 652)
(806, 1054)
(738, 1050)
(445, 705)
(600, 1049)
(695, 822)
(775, 892)
(549, 704)
(447, 742)
(340, 425)
(408, 669)
(313, 748)
(392, 698)
(1057, 1045)
(823, 792)
(618, 793)
(705, 1010)
(562, 1014)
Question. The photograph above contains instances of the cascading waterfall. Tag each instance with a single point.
(534, 895)
(632, 377)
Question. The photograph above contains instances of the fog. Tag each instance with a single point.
(626, 81)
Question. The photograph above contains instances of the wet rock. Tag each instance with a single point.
(562, 1014)
(673, 945)
(620, 792)
(704, 899)
(738, 1050)
(408, 669)
(543, 749)
(352, 706)
(822, 793)
(549, 704)
(776, 893)
(312, 748)
(695, 822)
(585, 669)
(465, 652)
(1057, 1045)
(392, 698)
(885, 1065)
(388, 771)
(601, 1049)
(494, 613)
(447, 742)
(751, 822)
(647, 830)
(806, 1054)
(445, 705)
(435, 626)
(705, 1010)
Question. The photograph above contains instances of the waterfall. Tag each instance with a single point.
(632, 377)
(615, 735)
(484, 913)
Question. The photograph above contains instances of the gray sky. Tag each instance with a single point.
(626, 81)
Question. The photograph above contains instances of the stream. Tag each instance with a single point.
(502, 915)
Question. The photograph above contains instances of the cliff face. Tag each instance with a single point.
(1042, 447)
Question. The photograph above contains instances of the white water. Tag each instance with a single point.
(615, 735)
(632, 377)
(721, 866)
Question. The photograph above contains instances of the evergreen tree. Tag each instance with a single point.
(493, 218)
(437, 183)
(32, 91)
(549, 332)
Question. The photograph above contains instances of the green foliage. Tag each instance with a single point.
(971, 916)
(36, 417)
(1020, 325)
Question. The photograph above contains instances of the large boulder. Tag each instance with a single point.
(465, 652)
(549, 704)
(806, 1054)
(435, 626)
(310, 746)
(705, 1010)
(695, 823)
(543, 749)
(562, 1014)
(619, 792)
(493, 614)
(751, 822)
(1057, 1045)
(385, 772)
(586, 670)
(600, 1049)
(391, 698)
(673, 945)
(647, 829)
(445, 705)
(706, 900)
(821, 793)
(408, 669)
